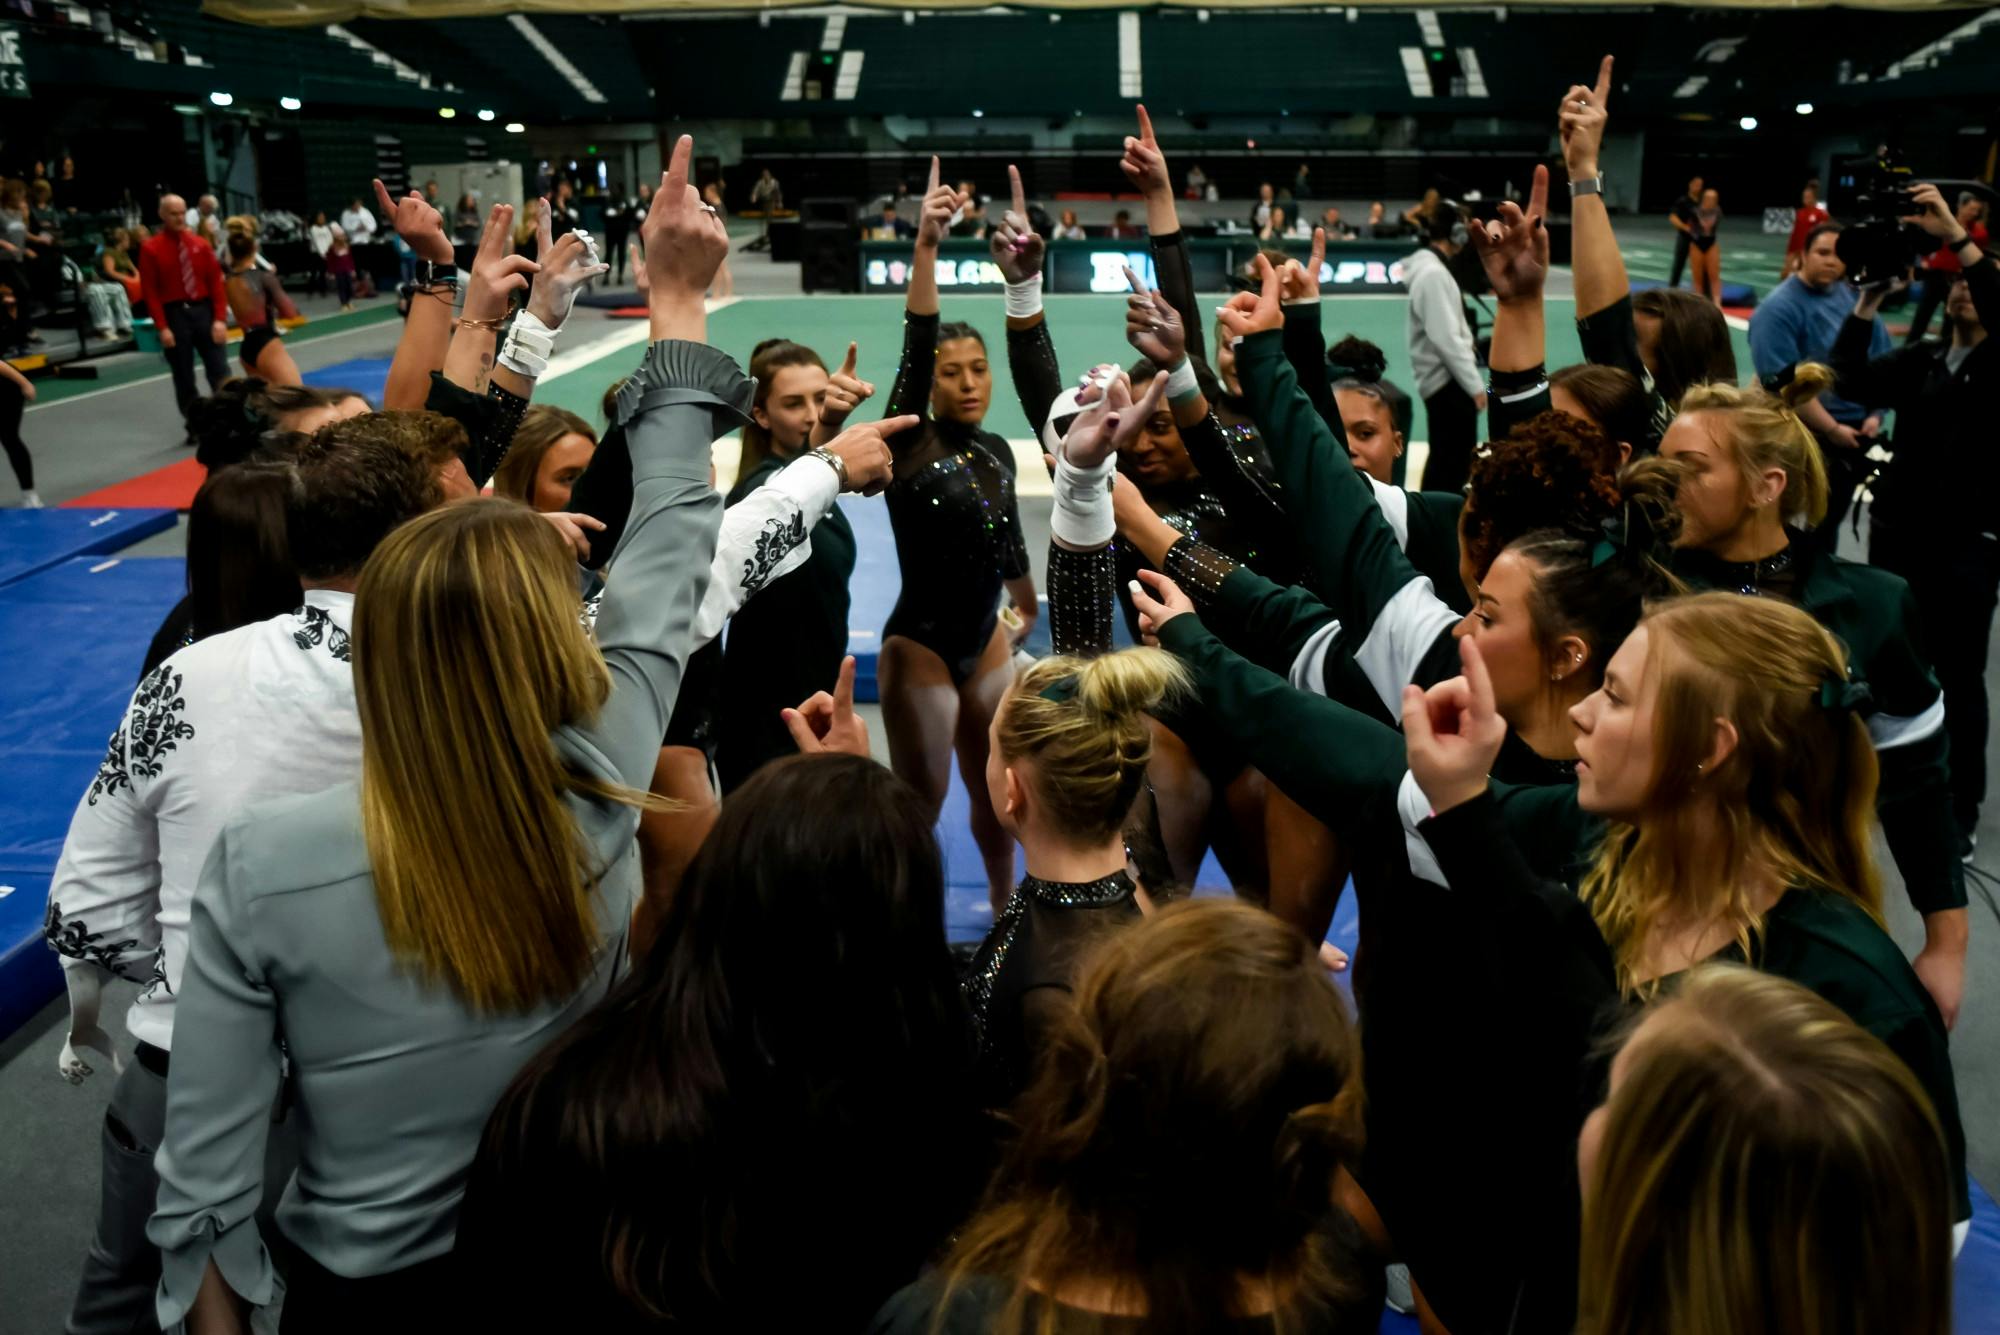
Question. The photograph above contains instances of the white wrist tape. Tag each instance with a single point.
(529, 346)
(1181, 381)
(1024, 299)
(1082, 516)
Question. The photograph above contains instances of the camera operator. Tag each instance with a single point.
(1799, 322)
(1941, 269)
(1930, 519)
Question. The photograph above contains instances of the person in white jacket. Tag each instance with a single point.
(1447, 367)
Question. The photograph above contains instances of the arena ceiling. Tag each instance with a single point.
(293, 13)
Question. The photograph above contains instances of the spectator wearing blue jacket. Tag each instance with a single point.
(1799, 322)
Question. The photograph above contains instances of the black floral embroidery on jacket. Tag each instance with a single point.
(112, 774)
(156, 982)
(779, 537)
(320, 629)
(70, 937)
(155, 720)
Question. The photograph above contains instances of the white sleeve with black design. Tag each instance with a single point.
(104, 902)
(764, 536)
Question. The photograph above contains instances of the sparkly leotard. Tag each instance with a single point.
(952, 508)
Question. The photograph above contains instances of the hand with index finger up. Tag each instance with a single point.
(684, 239)
(420, 225)
(1017, 248)
(1247, 313)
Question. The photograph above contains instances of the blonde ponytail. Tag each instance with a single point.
(1082, 725)
(1765, 430)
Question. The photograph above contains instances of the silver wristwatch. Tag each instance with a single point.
(833, 461)
(1589, 185)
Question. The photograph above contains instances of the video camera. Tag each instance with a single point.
(1879, 246)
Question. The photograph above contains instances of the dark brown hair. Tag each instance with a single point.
(1552, 471)
(766, 360)
(541, 427)
(1613, 397)
(356, 480)
(1183, 1133)
(239, 565)
(1693, 346)
(775, 1104)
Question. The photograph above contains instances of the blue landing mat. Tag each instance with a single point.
(77, 632)
(34, 540)
(877, 581)
(364, 375)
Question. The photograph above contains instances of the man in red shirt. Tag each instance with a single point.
(183, 285)
(1941, 270)
(1809, 216)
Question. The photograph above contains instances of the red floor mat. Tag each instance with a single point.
(172, 487)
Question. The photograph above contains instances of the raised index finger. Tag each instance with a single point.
(1269, 296)
(1020, 194)
(677, 169)
(1318, 251)
(1146, 128)
(931, 189)
(1138, 284)
(1602, 93)
(1538, 194)
(382, 198)
(847, 366)
(843, 688)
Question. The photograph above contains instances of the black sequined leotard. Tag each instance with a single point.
(951, 505)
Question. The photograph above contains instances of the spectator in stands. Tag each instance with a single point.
(1068, 229)
(563, 217)
(184, 295)
(319, 239)
(527, 226)
(1799, 322)
(1807, 216)
(1301, 190)
(27, 264)
(1335, 229)
(207, 223)
(261, 712)
(109, 300)
(1941, 270)
(1682, 218)
(1705, 248)
(1442, 356)
(1275, 227)
(1122, 227)
(1211, 1025)
(1260, 212)
(766, 194)
(891, 226)
(45, 222)
(1197, 182)
(1380, 225)
(358, 222)
(340, 263)
(16, 393)
(1930, 519)
(116, 262)
(432, 198)
(1767, 1163)
(791, 1061)
(467, 222)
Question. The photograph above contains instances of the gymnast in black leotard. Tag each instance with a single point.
(945, 658)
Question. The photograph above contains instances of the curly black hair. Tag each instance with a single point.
(1553, 471)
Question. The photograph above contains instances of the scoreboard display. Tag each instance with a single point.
(1220, 264)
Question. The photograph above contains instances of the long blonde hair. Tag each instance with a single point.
(1082, 724)
(1769, 1166)
(1764, 430)
(1795, 797)
(1183, 1132)
(468, 655)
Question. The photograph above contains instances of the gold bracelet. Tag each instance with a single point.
(490, 326)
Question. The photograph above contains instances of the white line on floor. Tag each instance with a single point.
(155, 378)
